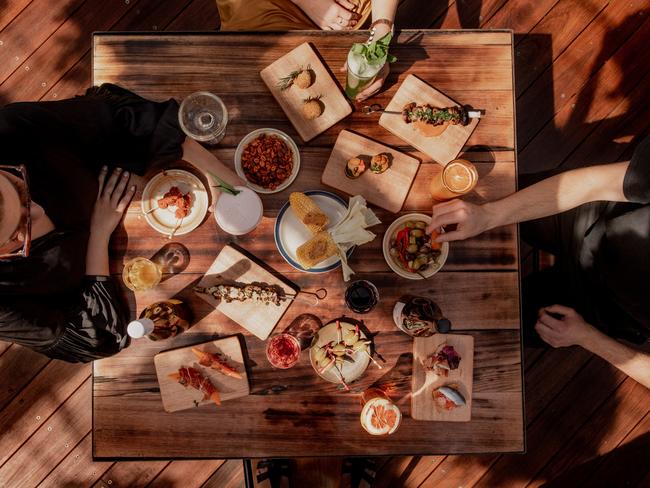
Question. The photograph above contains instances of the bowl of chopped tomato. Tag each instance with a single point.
(410, 251)
(268, 160)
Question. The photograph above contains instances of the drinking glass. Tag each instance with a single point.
(141, 274)
(379, 415)
(360, 74)
(457, 178)
(361, 296)
(283, 351)
(203, 117)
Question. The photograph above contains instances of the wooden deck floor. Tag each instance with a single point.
(582, 78)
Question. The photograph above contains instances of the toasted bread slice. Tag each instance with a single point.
(315, 250)
(308, 212)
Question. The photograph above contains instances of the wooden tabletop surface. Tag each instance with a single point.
(294, 413)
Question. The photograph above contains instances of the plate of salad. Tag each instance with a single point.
(410, 251)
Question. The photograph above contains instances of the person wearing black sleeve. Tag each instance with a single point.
(596, 221)
(64, 172)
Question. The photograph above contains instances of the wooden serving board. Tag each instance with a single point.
(177, 397)
(336, 106)
(422, 404)
(387, 190)
(442, 148)
(231, 266)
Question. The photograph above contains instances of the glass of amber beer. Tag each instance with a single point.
(457, 178)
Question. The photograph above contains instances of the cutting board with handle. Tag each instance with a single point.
(387, 190)
(178, 397)
(442, 148)
(335, 105)
(234, 267)
(425, 382)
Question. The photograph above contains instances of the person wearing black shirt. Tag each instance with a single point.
(64, 185)
(596, 221)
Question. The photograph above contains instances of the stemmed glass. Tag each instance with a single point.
(203, 117)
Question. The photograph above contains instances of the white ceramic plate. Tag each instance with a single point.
(292, 145)
(350, 371)
(390, 234)
(164, 220)
(290, 233)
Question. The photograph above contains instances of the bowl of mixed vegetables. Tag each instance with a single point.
(410, 251)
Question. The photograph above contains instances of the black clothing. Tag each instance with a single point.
(603, 258)
(46, 301)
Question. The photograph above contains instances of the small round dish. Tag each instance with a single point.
(349, 370)
(290, 233)
(390, 234)
(238, 214)
(164, 220)
(271, 132)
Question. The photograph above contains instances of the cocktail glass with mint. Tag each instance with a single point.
(364, 63)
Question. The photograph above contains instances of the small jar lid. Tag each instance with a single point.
(140, 328)
(239, 214)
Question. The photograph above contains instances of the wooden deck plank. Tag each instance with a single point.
(229, 475)
(10, 10)
(34, 405)
(30, 30)
(52, 442)
(18, 365)
(61, 51)
(458, 16)
(129, 474)
(609, 425)
(521, 17)
(188, 474)
(406, 471)
(77, 468)
(199, 15)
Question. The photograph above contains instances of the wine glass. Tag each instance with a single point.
(203, 117)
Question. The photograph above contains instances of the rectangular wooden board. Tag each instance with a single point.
(387, 190)
(231, 266)
(442, 148)
(422, 404)
(336, 106)
(178, 397)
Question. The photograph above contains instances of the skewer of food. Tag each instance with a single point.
(303, 78)
(217, 362)
(192, 378)
(412, 249)
(412, 112)
(174, 197)
(448, 398)
(442, 361)
(259, 293)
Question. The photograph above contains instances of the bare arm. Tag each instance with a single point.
(571, 329)
(548, 197)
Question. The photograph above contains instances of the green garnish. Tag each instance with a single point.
(286, 81)
(377, 51)
(223, 186)
(433, 115)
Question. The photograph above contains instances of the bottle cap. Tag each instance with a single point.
(140, 328)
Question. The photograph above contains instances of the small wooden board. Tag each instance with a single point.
(422, 404)
(336, 106)
(442, 148)
(387, 190)
(178, 397)
(231, 266)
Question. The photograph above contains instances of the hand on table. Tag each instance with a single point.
(330, 14)
(569, 330)
(470, 219)
(113, 198)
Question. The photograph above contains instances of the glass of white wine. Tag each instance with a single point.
(203, 117)
(141, 274)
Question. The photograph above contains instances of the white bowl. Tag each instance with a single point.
(432, 269)
(275, 132)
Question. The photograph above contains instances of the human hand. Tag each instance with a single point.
(374, 87)
(112, 201)
(569, 330)
(470, 219)
(330, 14)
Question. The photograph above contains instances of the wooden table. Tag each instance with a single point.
(294, 413)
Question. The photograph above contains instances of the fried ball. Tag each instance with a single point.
(312, 109)
(304, 79)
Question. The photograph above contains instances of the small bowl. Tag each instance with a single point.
(271, 132)
(397, 223)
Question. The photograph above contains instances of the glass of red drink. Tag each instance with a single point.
(283, 351)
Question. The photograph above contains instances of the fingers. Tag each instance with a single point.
(347, 5)
(370, 90)
(336, 26)
(561, 309)
(344, 68)
(454, 235)
(551, 322)
(101, 179)
(110, 184)
(119, 189)
(547, 334)
(125, 200)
